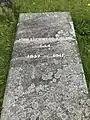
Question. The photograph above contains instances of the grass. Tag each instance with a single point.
(81, 16)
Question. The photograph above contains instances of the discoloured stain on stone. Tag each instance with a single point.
(46, 80)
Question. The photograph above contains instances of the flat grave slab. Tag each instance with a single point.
(44, 25)
(46, 79)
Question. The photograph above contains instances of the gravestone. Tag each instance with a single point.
(46, 79)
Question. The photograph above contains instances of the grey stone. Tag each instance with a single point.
(36, 24)
(88, 102)
(46, 79)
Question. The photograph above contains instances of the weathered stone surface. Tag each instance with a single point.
(46, 79)
(43, 25)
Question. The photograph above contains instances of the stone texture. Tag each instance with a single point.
(42, 25)
(46, 80)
